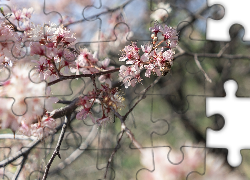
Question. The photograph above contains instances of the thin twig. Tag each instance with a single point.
(142, 97)
(62, 78)
(223, 49)
(54, 114)
(116, 148)
(12, 24)
(132, 138)
(200, 67)
(78, 152)
(19, 169)
(57, 149)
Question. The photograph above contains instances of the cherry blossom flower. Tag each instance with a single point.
(130, 52)
(156, 29)
(129, 75)
(104, 65)
(43, 128)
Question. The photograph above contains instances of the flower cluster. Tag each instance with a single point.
(52, 44)
(154, 60)
(88, 63)
(22, 16)
(106, 97)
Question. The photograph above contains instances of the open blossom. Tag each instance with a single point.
(85, 63)
(7, 47)
(104, 65)
(63, 35)
(129, 75)
(130, 52)
(156, 29)
(43, 128)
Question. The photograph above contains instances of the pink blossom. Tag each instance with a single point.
(129, 75)
(168, 55)
(130, 52)
(157, 28)
(61, 34)
(169, 33)
(104, 65)
(43, 128)
(28, 12)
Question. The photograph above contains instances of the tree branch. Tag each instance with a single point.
(57, 149)
(116, 149)
(77, 153)
(62, 78)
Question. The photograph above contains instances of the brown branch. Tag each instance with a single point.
(200, 67)
(19, 154)
(142, 97)
(132, 138)
(57, 149)
(14, 27)
(62, 78)
(77, 152)
(223, 49)
(19, 169)
(116, 148)
(58, 113)
(54, 114)
(54, 65)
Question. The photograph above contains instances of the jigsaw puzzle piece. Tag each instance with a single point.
(110, 44)
(216, 169)
(218, 30)
(176, 86)
(161, 122)
(231, 108)
(185, 71)
(37, 8)
(221, 70)
(69, 10)
(21, 88)
(159, 166)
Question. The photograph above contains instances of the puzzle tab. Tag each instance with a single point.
(235, 134)
(218, 30)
